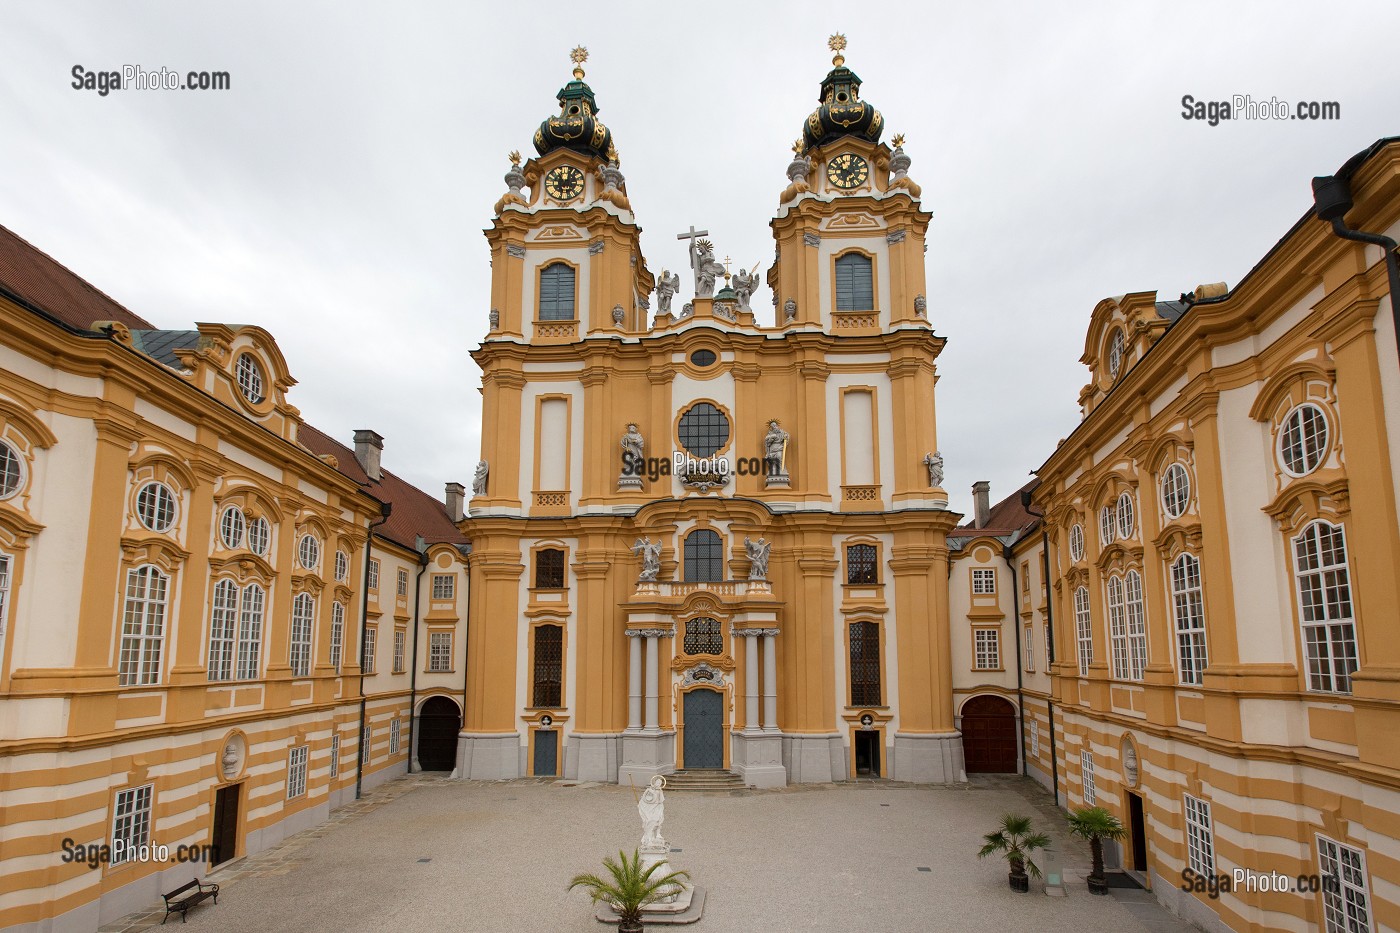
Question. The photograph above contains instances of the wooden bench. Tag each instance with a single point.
(186, 896)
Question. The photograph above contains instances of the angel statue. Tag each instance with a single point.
(744, 284)
(757, 552)
(650, 552)
(652, 809)
(707, 269)
(479, 480)
(665, 288)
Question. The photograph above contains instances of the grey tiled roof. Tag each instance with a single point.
(161, 345)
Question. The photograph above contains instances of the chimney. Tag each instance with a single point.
(982, 506)
(456, 500)
(368, 446)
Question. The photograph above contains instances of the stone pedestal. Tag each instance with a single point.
(645, 755)
(595, 757)
(925, 758)
(488, 757)
(780, 480)
(627, 481)
(814, 759)
(757, 757)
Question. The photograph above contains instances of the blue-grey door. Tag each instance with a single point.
(546, 753)
(704, 729)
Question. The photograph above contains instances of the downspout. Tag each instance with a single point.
(1049, 642)
(466, 552)
(385, 508)
(413, 665)
(1332, 200)
(1010, 559)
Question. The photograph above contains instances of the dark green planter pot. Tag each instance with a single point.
(1097, 885)
(1019, 881)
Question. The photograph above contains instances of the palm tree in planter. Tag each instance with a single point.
(1016, 842)
(1096, 824)
(629, 887)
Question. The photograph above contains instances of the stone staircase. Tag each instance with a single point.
(720, 781)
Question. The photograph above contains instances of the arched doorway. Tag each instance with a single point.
(704, 729)
(438, 725)
(989, 735)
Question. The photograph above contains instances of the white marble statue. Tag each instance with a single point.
(483, 469)
(707, 269)
(650, 552)
(934, 462)
(757, 552)
(633, 446)
(652, 808)
(666, 287)
(774, 448)
(744, 285)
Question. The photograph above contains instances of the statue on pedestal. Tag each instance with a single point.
(775, 455)
(934, 462)
(744, 285)
(652, 808)
(483, 469)
(650, 552)
(666, 287)
(707, 269)
(633, 459)
(757, 552)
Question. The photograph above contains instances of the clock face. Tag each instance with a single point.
(564, 183)
(847, 171)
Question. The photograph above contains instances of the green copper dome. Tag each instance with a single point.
(842, 112)
(577, 126)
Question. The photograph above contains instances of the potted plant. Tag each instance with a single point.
(1096, 824)
(629, 887)
(1016, 842)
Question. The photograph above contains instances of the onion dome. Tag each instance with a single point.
(577, 127)
(842, 112)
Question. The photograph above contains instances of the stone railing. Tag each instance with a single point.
(854, 320)
(860, 494)
(556, 330)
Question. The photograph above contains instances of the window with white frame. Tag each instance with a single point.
(4, 598)
(403, 582)
(1324, 606)
(394, 726)
(1302, 440)
(1035, 738)
(143, 626)
(440, 652)
(342, 567)
(11, 471)
(1200, 837)
(1176, 490)
(984, 581)
(250, 626)
(335, 755)
(372, 582)
(444, 586)
(303, 612)
(1107, 521)
(1118, 628)
(1188, 607)
(1076, 542)
(1083, 630)
(155, 506)
(337, 634)
(309, 551)
(1086, 776)
(1049, 648)
(367, 660)
(296, 771)
(399, 640)
(1137, 626)
(1126, 516)
(986, 649)
(250, 378)
(1028, 647)
(1346, 896)
(232, 527)
(259, 536)
(131, 822)
(1115, 354)
(366, 738)
(223, 622)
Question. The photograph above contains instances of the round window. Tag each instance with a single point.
(1302, 444)
(1076, 542)
(11, 471)
(231, 527)
(703, 358)
(1115, 354)
(250, 379)
(1125, 515)
(259, 535)
(309, 551)
(155, 506)
(703, 429)
(1176, 490)
(342, 566)
(1106, 525)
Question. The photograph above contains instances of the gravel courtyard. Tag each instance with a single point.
(428, 853)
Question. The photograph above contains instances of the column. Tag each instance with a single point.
(652, 704)
(770, 681)
(634, 682)
(750, 682)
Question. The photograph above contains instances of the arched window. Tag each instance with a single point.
(143, 626)
(1118, 628)
(704, 557)
(549, 666)
(337, 634)
(1324, 606)
(250, 627)
(557, 292)
(303, 612)
(1137, 626)
(1189, 610)
(223, 618)
(855, 283)
(702, 636)
(1083, 630)
(865, 664)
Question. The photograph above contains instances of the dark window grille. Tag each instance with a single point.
(865, 664)
(704, 557)
(855, 283)
(702, 637)
(703, 357)
(549, 666)
(703, 430)
(557, 293)
(549, 569)
(860, 564)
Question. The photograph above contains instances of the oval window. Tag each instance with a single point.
(703, 358)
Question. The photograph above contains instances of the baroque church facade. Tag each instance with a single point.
(712, 537)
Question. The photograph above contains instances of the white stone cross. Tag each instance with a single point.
(692, 236)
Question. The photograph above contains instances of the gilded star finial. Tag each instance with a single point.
(898, 140)
(578, 56)
(515, 157)
(837, 44)
(798, 146)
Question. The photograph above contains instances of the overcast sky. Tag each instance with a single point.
(336, 194)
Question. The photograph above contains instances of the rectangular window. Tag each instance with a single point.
(337, 634)
(1086, 777)
(403, 582)
(131, 822)
(1118, 627)
(367, 661)
(1200, 838)
(335, 755)
(1137, 627)
(1346, 897)
(987, 649)
(861, 569)
(395, 727)
(399, 639)
(549, 569)
(366, 737)
(1035, 738)
(1083, 630)
(549, 666)
(1049, 649)
(4, 598)
(865, 664)
(855, 283)
(223, 621)
(143, 626)
(984, 582)
(250, 632)
(303, 612)
(444, 586)
(440, 652)
(1324, 605)
(296, 771)
(1029, 648)
(1189, 610)
(557, 292)
(373, 581)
